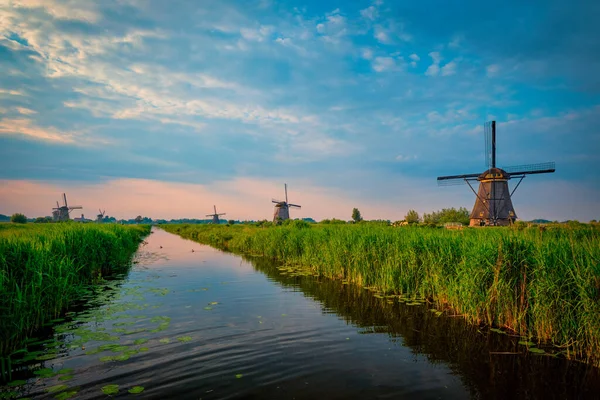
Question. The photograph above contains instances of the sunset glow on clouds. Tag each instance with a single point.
(144, 107)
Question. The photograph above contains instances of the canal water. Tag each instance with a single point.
(191, 322)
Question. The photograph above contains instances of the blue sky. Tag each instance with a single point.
(165, 108)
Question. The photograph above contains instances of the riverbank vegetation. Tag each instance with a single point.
(539, 282)
(45, 268)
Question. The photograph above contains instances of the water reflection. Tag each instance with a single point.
(492, 366)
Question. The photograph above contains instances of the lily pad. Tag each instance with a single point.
(65, 378)
(184, 339)
(65, 371)
(110, 389)
(45, 372)
(208, 308)
(47, 357)
(65, 395)
(56, 388)
(165, 340)
(213, 303)
(535, 350)
(121, 357)
(136, 389)
(238, 376)
(16, 383)
(498, 331)
(140, 341)
(526, 343)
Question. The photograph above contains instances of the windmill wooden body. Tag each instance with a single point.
(215, 216)
(61, 213)
(100, 216)
(493, 202)
(282, 208)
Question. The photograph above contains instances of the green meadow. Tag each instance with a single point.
(541, 283)
(46, 268)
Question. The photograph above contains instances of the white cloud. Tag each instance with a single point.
(367, 54)
(381, 64)
(11, 92)
(369, 13)
(27, 128)
(333, 28)
(259, 34)
(63, 9)
(382, 35)
(25, 111)
(456, 40)
(405, 158)
(449, 69)
(414, 59)
(492, 70)
(434, 68)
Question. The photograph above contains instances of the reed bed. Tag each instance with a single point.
(45, 268)
(542, 283)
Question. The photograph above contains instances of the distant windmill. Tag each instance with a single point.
(282, 208)
(493, 204)
(215, 216)
(61, 213)
(100, 216)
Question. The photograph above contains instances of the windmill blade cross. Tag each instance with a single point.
(276, 201)
(294, 205)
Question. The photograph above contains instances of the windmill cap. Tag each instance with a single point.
(493, 173)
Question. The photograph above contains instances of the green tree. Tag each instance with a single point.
(231, 222)
(447, 215)
(356, 215)
(18, 218)
(412, 217)
(138, 219)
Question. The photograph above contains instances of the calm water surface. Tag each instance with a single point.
(204, 324)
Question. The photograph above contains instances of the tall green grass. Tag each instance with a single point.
(542, 283)
(44, 269)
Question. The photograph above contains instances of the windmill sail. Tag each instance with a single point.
(530, 169)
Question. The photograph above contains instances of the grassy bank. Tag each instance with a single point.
(44, 268)
(541, 283)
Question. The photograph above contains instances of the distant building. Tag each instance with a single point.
(82, 219)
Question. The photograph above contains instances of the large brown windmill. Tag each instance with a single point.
(61, 213)
(282, 208)
(215, 216)
(493, 204)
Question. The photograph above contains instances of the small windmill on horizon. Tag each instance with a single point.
(215, 216)
(282, 208)
(100, 216)
(61, 213)
(493, 203)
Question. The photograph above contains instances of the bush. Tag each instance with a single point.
(18, 218)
